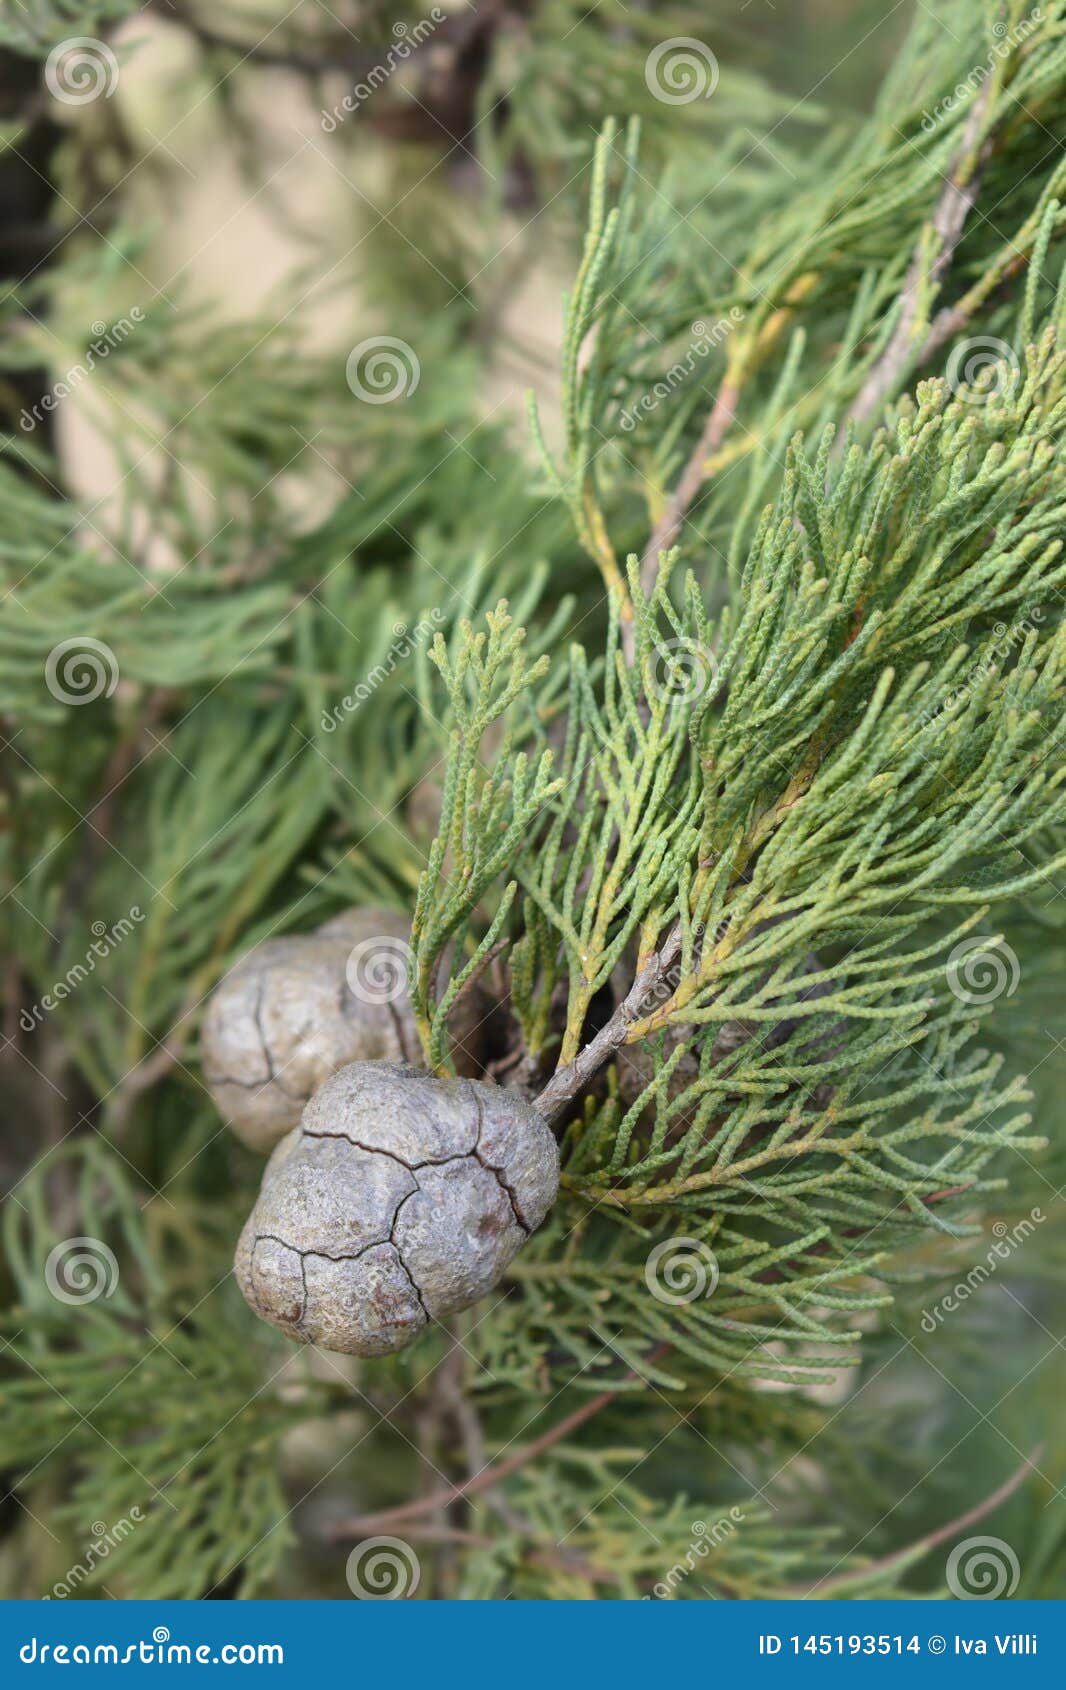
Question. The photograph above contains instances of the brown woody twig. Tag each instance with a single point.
(956, 201)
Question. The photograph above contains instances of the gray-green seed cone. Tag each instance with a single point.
(399, 1199)
(295, 1009)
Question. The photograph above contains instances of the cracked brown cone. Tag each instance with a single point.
(399, 1199)
(285, 1018)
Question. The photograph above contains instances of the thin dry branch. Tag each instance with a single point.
(362, 1524)
(925, 274)
(569, 1081)
(668, 527)
(931, 1541)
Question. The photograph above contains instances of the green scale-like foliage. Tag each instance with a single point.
(35, 26)
(774, 779)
